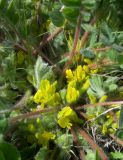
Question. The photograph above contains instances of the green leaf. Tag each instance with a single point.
(42, 71)
(116, 155)
(120, 59)
(11, 12)
(117, 47)
(2, 3)
(71, 3)
(93, 39)
(119, 133)
(64, 141)
(2, 156)
(1, 138)
(112, 55)
(63, 95)
(97, 155)
(71, 14)
(9, 151)
(57, 18)
(92, 155)
(121, 118)
(28, 152)
(88, 27)
(112, 87)
(9, 67)
(42, 154)
(89, 5)
(96, 86)
(121, 66)
(85, 16)
(87, 53)
(3, 124)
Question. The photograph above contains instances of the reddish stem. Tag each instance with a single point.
(100, 104)
(76, 141)
(32, 114)
(101, 49)
(86, 34)
(76, 38)
(92, 143)
(53, 35)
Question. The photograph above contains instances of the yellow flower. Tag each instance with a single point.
(69, 75)
(66, 116)
(88, 61)
(86, 68)
(47, 87)
(64, 123)
(94, 71)
(38, 96)
(92, 99)
(66, 112)
(72, 94)
(43, 138)
(72, 84)
(104, 129)
(79, 73)
(103, 98)
(55, 99)
(31, 128)
(85, 86)
(48, 135)
(118, 114)
(47, 94)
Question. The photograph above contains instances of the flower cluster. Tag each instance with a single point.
(47, 94)
(77, 84)
(78, 81)
(109, 125)
(66, 116)
(37, 133)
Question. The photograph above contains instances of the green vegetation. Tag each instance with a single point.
(61, 89)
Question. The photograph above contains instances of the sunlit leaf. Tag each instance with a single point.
(42, 71)
(116, 155)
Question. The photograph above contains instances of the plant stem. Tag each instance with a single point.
(53, 35)
(108, 110)
(32, 114)
(76, 141)
(100, 104)
(19, 47)
(101, 49)
(118, 140)
(86, 34)
(92, 143)
(76, 38)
